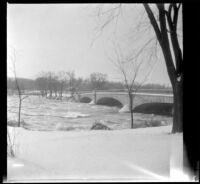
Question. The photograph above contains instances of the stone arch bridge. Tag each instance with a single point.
(121, 99)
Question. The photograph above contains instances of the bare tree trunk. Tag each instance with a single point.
(61, 92)
(174, 73)
(20, 98)
(19, 112)
(18, 89)
(55, 93)
(46, 93)
(178, 107)
(131, 108)
(50, 96)
(61, 95)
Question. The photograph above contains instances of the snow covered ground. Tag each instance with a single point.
(118, 155)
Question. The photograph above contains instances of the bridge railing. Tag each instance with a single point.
(157, 91)
(124, 92)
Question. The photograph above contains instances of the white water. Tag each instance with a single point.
(45, 114)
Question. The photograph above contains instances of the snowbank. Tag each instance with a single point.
(137, 154)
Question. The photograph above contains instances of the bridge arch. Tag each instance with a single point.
(154, 108)
(85, 99)
(109, 101)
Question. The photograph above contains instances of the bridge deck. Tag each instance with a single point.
(125, 93)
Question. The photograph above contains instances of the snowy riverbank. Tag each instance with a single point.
(137, 154)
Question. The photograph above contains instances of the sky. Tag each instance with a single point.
(61, 37)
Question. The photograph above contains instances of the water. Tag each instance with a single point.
(43, 114)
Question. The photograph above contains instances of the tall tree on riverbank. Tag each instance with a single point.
(174, 65)
(163, 19)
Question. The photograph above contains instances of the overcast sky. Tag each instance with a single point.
(54, 37)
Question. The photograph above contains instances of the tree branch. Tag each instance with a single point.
(140, 51)
(24, 97)
(109, 10)
(153, 21)
(175, 18)
(174, 39)
(164, 43)
(169, 19)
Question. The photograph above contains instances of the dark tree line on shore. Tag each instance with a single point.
(55, 84)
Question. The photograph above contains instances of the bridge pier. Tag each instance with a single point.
(94, 98)
(125, 108)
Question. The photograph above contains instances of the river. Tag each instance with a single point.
(41, 114)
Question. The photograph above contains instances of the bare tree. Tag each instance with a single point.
(71, 83)
(166, 26)
(129, 72)
(98, 80)
(42, 84)
(19, 92)
(50, 83)
(78, 83)
(63, 79)
(163, 19)
(55, 84)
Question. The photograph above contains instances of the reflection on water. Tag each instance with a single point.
(45, 114)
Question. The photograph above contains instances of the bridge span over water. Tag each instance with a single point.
(121, 99)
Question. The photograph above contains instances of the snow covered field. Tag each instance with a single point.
(128, 154)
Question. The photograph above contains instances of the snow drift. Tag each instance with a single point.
(130, 154)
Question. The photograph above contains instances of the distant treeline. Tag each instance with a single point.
(57, 83)
(24, 84)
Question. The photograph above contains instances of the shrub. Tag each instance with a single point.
(99, 126)
(12, 123)
(69, 128)
(137, 125)
(155, 123)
